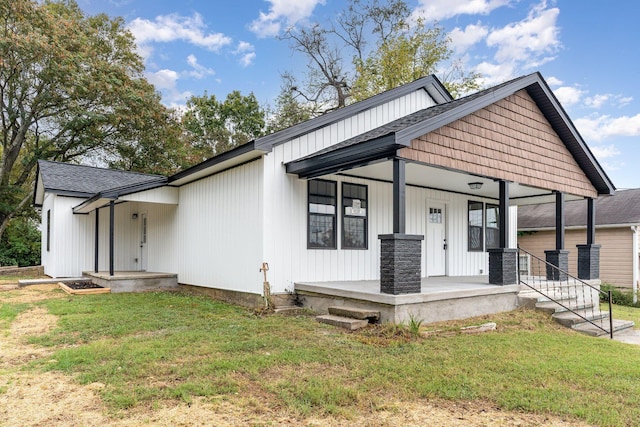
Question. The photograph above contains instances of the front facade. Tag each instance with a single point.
(316, 201)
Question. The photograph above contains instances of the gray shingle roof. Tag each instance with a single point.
(621, 208)
(88, 180)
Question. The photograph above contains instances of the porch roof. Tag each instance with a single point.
(379, 143)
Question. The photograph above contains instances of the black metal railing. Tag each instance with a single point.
(563, 289)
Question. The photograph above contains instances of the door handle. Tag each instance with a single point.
(444, 247)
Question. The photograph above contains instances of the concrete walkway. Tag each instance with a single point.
(630, 336)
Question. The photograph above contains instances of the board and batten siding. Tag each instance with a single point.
(362, 122)
(220, 229)
(616, 252)
(71, 245)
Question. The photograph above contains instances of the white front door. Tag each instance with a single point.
(143, 242)
(436, 239)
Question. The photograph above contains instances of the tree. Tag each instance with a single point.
(71, 87)
(288, 110)
(213, 126)
(374, 45)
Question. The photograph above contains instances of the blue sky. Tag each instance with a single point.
(587, 50)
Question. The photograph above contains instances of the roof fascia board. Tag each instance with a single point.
(430, 84)
(574, 132)
(228, 155)
(114, 193)
(344, 158)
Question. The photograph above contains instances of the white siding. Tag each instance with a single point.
(352, 126)
(220, 230)
(71, 239)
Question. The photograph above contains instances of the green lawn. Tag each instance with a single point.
(151, 346)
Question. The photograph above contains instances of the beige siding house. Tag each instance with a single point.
(617, 231)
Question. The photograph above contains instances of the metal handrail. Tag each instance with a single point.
(575, 279)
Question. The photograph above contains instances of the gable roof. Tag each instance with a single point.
(430, 84)
(623, 208)
(85, 181)
(400, 132)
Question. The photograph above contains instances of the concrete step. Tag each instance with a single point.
(355, 313)
(554, 307)
(342, 322)
(619, 326)
(568, 318)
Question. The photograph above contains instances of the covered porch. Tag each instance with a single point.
(440, 298)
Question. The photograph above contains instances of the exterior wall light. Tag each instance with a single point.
(475, 185)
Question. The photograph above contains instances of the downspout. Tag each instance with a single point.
(636, 253)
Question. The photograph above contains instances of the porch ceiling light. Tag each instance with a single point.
(475, 185)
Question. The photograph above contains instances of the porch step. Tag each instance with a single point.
(554, 307)
(569, 319)
(355, 313)
(342, 322)
(589, 329)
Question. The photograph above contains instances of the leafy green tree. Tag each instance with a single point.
(71, 87)
(288, 111)
(214, 126)
(20, 244)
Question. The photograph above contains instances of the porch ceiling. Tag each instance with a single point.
(454, 181)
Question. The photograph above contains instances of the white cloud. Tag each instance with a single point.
(247, 53)
(568, 95)
(525, 44)
(529, 40)
(601, 127)
(461, 40)
(199, 71)
(443, 9)
(605, 152)
(597, 100)
(169, 28)
(553, 81)
(166, 80)
(282, 12)
(623, 100)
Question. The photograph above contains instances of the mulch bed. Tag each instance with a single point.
(83, 285)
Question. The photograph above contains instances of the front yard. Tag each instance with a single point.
(171, 358)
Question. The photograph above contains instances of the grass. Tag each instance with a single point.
(151, 346)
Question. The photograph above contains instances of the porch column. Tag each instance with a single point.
(558, 257)
(589, 253)
(400, 253)
(112, 205)
(399, 196)
(503, 261)
(95, 260)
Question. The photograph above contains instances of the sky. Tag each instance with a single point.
(586, 50)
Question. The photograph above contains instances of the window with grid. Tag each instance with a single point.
(354, 216)
(322, 200)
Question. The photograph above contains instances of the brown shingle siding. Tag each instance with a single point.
(510, 139)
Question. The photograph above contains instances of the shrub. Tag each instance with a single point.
(618, 296)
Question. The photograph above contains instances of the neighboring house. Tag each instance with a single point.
(407, 184)
(617, 231)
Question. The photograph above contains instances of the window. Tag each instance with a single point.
(492, 230)
(435, 215)
(322, 214)
(475, 226)
(354, 216)
(48, 230)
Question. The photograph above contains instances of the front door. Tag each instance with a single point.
(143, 242)
(436, 241)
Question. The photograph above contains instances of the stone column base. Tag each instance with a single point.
(400, 259)
(588, 261)
(560, 259)
(503, 266)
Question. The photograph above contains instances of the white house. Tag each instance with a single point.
(411, 171)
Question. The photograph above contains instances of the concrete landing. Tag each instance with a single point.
(133, 281)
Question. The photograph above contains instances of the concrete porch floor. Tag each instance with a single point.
(440, 299)
(133, 281)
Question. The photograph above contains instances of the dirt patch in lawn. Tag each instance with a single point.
(53, 399)
(31, 293)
